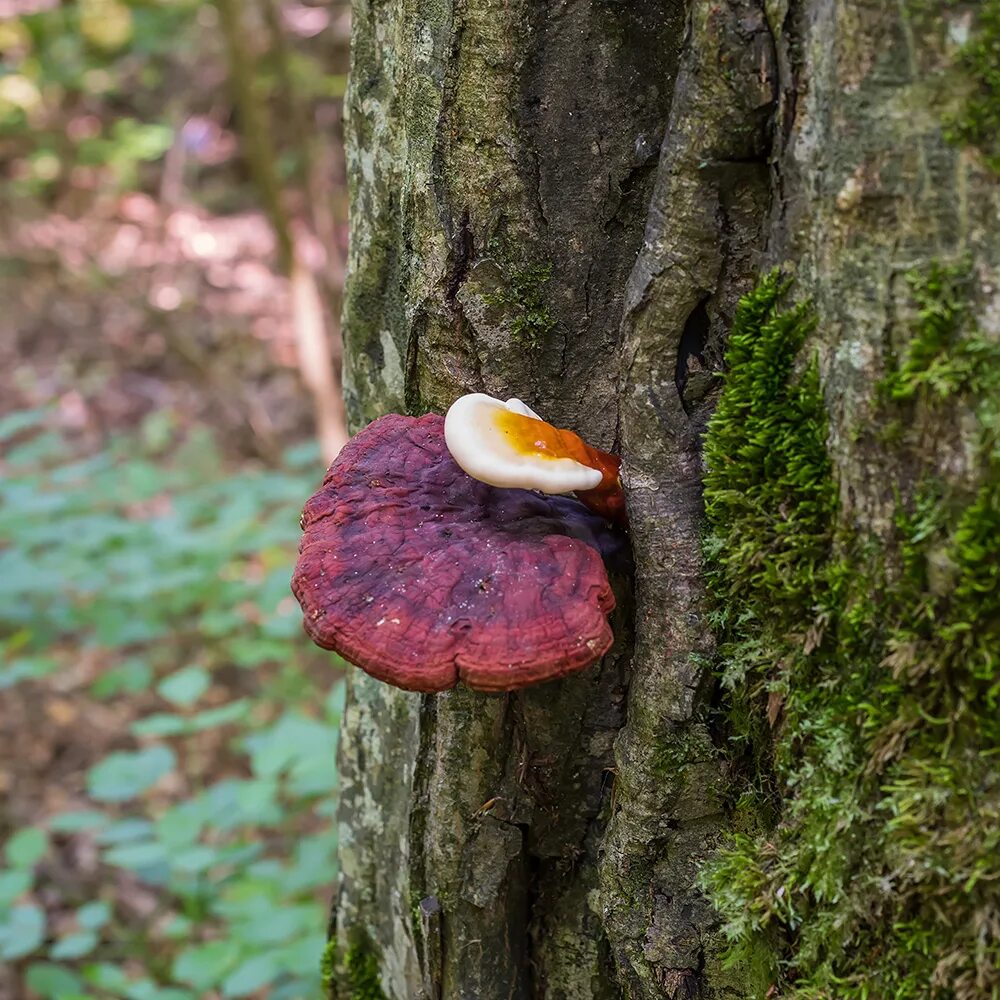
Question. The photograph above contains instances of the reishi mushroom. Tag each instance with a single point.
(424, 577)
(508, 444)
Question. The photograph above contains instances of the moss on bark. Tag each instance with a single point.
(361, 969)
(873, 666)
(978, 122)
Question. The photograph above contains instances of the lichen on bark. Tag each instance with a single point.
(977, 121)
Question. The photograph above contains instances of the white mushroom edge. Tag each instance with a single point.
(486, 453)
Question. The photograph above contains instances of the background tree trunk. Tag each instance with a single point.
(564, 203)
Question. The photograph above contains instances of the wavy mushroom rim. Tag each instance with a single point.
(398, 457)
(506, 444)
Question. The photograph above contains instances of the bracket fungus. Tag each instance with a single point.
(424, 577)
(508, 444)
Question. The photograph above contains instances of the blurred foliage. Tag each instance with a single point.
(111, 85)
(60, 65)
(150, 573)
(167, 761)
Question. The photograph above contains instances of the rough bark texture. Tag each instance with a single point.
(564, 202)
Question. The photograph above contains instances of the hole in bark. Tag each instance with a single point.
(691, 346)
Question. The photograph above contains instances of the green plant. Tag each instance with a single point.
(362, 974)
(524, 296)
(98, 84)
(168, 574)
(60, 63)
(942, 357)
(864, 676)
(978, 123)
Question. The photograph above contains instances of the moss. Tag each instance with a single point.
(326, 967)
(361, 965)
(356, 977)
(768, 487)
(534, 322)
(869, 725)
(978, 123)
(524, 296)
(942, 358)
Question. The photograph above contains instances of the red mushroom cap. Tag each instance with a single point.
(423, 576)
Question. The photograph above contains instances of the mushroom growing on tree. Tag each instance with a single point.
(508, 444)
(424, 577)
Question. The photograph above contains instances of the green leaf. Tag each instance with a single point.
(128, 677)
(77, 820)
(14, 423)
(52, 981)
(196, 859)
(280, 923)
(185, 686)
(145, 854)
(296, 989)
(258, 803)
(125, 830)
(124, 775)
(41, 446)
(180, 826)
(203, 966)
(146, 989)
(93, 915)
(27, 847)
(251, 976)
(223, 715)
(177, 927)
(294, 740)
(303, 954)
(22, 932)
(27, 668)
(13, 884)
(74, 945)
(161, 724)
(106, 976)
(314, 862)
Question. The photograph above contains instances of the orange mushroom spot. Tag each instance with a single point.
(539, 439)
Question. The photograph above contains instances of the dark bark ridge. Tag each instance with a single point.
(702, 244)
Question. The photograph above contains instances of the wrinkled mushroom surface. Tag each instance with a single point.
(423, 576)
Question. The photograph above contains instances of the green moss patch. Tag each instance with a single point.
(524, 299)
(326, 967)
(362, 974)
(355, 976)
(944, 356)
(862, 676)
(978, 123)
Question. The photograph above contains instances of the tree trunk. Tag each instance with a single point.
(565, 203)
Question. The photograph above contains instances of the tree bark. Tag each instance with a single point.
(565, 203)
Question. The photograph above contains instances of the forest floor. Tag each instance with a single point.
(166, 764)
